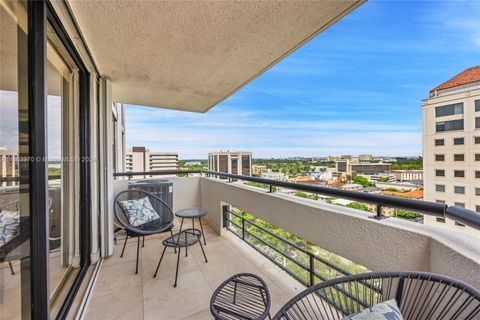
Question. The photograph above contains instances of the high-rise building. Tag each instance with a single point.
(8, 167)
(141, 159)
(451, 145)
(234, 162)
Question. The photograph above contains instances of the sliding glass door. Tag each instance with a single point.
(44, 164)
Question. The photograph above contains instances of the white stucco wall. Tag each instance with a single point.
(390, 244)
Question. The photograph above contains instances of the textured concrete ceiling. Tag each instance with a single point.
(190, 55)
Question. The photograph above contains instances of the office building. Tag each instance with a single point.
(8, 167)
(234, 162)
(365, 158)
(269, 174)
(258, 169)
(451, 145)
(408, 175)
(352, 168)
(141, 159)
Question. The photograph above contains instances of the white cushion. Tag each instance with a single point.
(387, 310)
(139, 211)
(9, 226)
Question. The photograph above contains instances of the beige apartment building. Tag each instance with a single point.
(234, 162)
(353, 167)
(258, 169)
(408, 175)
(8, 167)
(451, 145)
(141, 159)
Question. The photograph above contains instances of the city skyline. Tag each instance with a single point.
(356, 88)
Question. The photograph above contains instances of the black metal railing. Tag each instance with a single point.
(465, 216)
(240, 226)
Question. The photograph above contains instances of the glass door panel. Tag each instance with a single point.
(14, 163)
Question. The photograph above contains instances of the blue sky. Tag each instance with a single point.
(355, 88)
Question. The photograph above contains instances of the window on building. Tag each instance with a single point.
(459, 224)
(439, 157)
(459, 190)
(459, 204)
(458, 141)
(439, 142)
(477, 122)
(477, 140)
(451, 125)
(449, 110)
(477, 208)
(477, 156)
(477, 174)
(441, 220)
(477, 105)
(477, 191)
(440, 188)
(459, 174)
(459, 157)
(440, 173)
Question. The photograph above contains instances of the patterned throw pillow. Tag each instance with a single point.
(387, 310)
(139, 211)
(9, 226)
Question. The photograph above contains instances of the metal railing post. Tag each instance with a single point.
(379, 215)
(243, 227)
(312, 270)
(226, 216)
(271, 188)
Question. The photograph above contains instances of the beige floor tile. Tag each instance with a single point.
(162, 301)
(119, 304)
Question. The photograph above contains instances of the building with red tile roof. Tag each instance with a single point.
(466, 77)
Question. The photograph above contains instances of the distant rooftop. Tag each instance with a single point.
(467, 76)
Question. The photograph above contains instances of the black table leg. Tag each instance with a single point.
(201, 227)
(138, 251)
(174, 249)
(186, 251)
(176, 272)
(200, 242)
(161, 258)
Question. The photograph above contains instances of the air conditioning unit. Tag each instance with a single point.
(161, 188)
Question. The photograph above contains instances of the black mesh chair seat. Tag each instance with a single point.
(242, 296)
(185, 238)
(419, 295)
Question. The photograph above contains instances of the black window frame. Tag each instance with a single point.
(459, 189)
(459, 173)
(439, 157)
(450, 125)
(449, 110)
(477, 174)
(477, 105)
(439, 142)
(476, 140)
(440, 188)
(460, 141)
(437, 171)
(40, 14)
(459, 157)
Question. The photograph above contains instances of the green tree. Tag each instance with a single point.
(363, 181)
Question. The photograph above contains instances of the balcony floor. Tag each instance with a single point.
(120, 294)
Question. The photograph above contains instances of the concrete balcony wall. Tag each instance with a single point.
(390, 244)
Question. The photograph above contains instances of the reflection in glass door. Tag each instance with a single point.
(62, 162)
(14, 163)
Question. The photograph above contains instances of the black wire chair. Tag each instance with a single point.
(242, 296)
(419, 295)
(163, 224)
